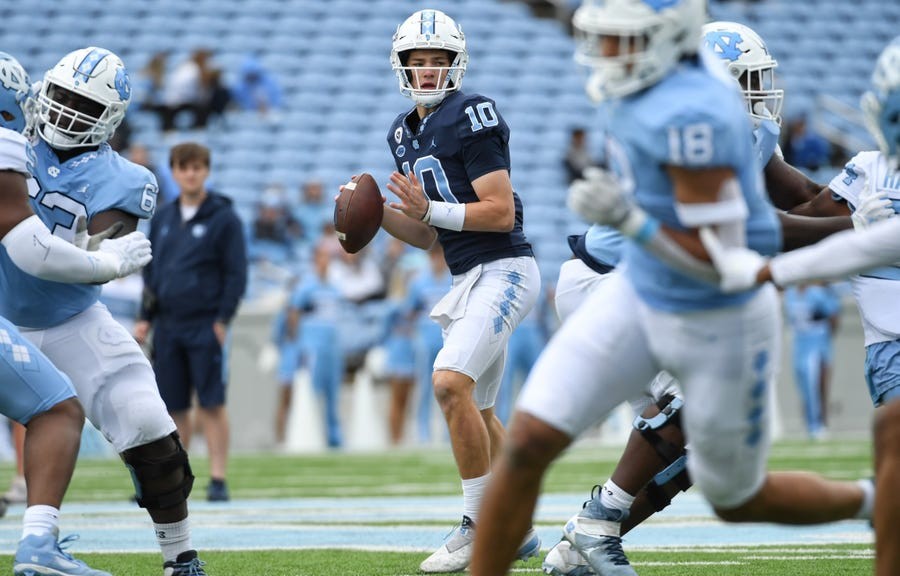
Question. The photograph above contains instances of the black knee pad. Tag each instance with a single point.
(675, 475)
(160, 472)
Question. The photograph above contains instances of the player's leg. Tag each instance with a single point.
(36, 394)
(728, 429)
(467, 376)
(594, 362)
(18, 491)
(118, 390)
(887, 478)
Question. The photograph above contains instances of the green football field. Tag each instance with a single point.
(379, 514)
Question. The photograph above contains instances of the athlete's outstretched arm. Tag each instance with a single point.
(843, 254)
(32, 247)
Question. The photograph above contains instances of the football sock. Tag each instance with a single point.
(39, 520)
(868, 488)
(473, 489)
(614, 497)
(173, 538)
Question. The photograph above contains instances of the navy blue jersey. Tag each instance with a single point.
(464, 139)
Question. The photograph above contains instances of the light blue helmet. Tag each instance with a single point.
(15, 93)
(881, 104)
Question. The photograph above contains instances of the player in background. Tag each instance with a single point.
(82, 101)
(34, 393)
(653, 465)
(453, 185)
(872, 255)
(812, 313)
(680, 143)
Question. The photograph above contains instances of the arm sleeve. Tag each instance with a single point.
(234, 264)
(842, 254)
(35, 250)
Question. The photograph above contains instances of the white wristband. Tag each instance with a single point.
(447, 215)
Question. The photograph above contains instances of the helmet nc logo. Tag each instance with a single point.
(123, 84)
(724, 44)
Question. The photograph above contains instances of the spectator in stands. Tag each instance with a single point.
(256, 88)
(313, 211)
(274, 231)
(140, 155)
(149, 86)
(187, 89)
(192, 291)
(313, 318)
(358, 277)
(805, 148)
(219, 96)
(578, 156)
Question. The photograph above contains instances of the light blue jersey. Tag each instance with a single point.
(694, 118)
(85, 185)
(604, 244)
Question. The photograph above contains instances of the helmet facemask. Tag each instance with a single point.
(764, 101)
(70, 120)
(429, 30)
(446, 79)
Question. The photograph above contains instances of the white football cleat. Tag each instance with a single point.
(563, 560)
(456, 551)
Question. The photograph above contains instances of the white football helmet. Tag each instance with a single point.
(653, 35)
(15, 94)
(83, 99)
(881, 103)
(429, 29)
(748, 61)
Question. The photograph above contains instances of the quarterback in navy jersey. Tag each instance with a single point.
(76, 175)
(453, 185)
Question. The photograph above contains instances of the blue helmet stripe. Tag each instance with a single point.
(427, 22)
(87, 66)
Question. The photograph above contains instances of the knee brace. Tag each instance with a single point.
(160, 472)
(675, 457)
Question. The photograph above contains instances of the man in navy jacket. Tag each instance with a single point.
(191, 293)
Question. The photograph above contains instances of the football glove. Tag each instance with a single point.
(738, 267)
(873, 207)
(127, 254)
(599, 198)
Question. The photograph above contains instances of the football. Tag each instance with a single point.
(358, 211)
